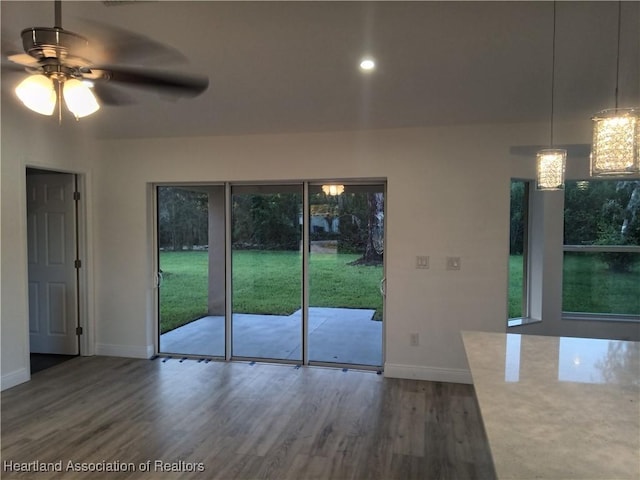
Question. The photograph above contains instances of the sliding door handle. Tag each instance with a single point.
(159, 279)
(383, 286)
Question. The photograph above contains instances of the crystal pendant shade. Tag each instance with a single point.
(616, 139)
(550, 166)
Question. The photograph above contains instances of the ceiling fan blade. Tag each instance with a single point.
(23, 59)
(123, 46)
(109, 95)
(12, 67)
(177, 85)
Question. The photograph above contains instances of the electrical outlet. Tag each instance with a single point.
(422, 261)
(453, 263)
(414, 339)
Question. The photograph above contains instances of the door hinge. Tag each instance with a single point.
(76, 195)
(77, 264)
(78, 330)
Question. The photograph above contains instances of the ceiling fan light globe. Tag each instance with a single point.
(38, 94)
(79, 98)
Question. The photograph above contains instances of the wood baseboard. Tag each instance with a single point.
(129, 351)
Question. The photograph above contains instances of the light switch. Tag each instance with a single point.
(422, 261)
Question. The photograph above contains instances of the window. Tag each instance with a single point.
(518, 240)
(601, 262)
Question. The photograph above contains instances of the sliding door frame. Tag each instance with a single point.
(265, 185)
(155, 260)
(228, 311)
(306, 253)
(382, 182)
(228, 330)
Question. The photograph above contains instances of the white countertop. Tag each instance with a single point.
(558, 407)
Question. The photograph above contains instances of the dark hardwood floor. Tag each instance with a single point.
(237, 420)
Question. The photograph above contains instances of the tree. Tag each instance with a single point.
(630, 228)
(623, 227)
(604, 213)
(518, 218)
(374, 244)
(360, 220)
(266, 221)
(182, 218)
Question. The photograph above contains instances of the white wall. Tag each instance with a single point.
(28, 140)
(448, 194)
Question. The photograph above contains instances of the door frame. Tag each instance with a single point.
(86, 344)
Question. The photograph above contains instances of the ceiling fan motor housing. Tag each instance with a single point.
(44, 43)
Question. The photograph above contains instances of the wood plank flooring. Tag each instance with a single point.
(238, 421)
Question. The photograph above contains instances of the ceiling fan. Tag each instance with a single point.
(59, 65)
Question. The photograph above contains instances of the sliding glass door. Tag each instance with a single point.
(286, 272)
(346, 240)
(266, 266)
(191, 260)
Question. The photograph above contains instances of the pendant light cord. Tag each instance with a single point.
(618, 50)
(553, 70)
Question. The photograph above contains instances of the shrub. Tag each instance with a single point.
(618, 262)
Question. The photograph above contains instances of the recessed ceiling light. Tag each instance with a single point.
(367, 64)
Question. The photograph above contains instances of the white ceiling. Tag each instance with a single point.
(293, 66)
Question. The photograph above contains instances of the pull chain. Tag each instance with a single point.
(59, 102)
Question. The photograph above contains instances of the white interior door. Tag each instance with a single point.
(51, 232)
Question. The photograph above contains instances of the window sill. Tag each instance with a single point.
(518, 322)
(591, 317)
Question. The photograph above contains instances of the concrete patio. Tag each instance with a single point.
(340, 335)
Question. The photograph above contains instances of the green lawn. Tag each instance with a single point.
(183, 295)
(588, 286)
(266, 282)
(270, 282)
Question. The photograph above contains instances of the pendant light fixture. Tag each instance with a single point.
(333, 190)
(616, 134)
(550, 162)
